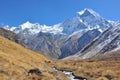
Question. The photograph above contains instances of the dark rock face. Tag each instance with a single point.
(73, 44)
(11, 36)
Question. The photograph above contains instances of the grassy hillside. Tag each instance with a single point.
(104, 67)
(16, 61)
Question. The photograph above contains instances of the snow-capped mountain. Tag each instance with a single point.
(87, 22)
(85, 19)
(32, 29)
(84, 28)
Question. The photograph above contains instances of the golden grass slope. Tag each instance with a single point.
(15, 61)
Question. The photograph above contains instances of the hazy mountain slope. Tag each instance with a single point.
(16, 61)
(11, 36)
(46, 43)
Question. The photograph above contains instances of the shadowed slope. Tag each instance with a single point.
(11, 36)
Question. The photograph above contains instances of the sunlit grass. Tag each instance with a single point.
(105, 67)
(15, 61)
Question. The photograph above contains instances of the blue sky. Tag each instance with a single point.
(49, 12)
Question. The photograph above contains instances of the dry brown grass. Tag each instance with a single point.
(15, 61)
(99, 68)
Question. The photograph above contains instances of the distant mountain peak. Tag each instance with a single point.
(87, 11)
(28, 25)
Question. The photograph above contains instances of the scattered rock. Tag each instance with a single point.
(34, 71)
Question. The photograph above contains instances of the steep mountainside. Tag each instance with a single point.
(107, 41)
(18, 63)
(75, 43)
